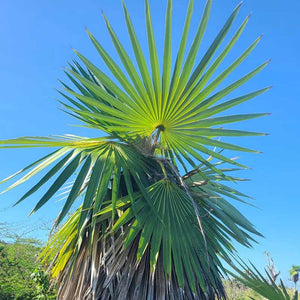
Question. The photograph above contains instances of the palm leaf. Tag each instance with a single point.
(264, 286)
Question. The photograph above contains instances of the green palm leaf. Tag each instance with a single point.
(264, 286)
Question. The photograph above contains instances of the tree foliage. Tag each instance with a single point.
(17, 263)
(21, 274)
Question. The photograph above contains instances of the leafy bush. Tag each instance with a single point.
(44, 291)
(17, 263)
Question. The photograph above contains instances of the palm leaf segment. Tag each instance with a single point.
(143, 230)
(249, 275)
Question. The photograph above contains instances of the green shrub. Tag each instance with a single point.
(17, 263)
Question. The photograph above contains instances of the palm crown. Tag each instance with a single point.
(143, 229)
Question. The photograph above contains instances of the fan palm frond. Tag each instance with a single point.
(162, 242)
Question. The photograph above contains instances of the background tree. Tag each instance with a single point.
(154, 219)
(294, 272)
(18, 260)
(44, 290)
(271, 267)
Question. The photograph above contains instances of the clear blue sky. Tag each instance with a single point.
(36, 43)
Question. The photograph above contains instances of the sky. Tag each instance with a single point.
(37, 38)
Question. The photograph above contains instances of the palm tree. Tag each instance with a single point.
(294, 272)
(153, 218)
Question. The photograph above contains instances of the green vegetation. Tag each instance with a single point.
(22, 278)
(18, 266)
(236, 290)
(263, 285)
(17, 263)
(152, 196)
(44, 290)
